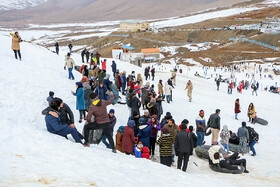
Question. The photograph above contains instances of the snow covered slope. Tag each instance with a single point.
(30, 156)
(19, 4)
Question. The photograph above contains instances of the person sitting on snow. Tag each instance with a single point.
(225, 161)
(55, 126)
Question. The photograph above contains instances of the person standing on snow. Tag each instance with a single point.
(69, 63)
(153, 73)
(97, 56)
(155, 127)
(170, 83)
(80, 102)
(183, 146)
(114, 68)
(113, 121)
(16, 39)
(237, 108)
(160, 88)
(57, 48)
(200, 127)
(218, 81)
(225, 137)
(214, 124)
(98, 109)
(85, 53)
(104, 64)
(190, 89)
(165, 143)
(70, 48)
(123, 80)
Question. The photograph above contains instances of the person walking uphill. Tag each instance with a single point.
(190, 89)
(214, 124)
(15, 44)
(80, 102)
(98, 109)
(69, 63)
(183, 147)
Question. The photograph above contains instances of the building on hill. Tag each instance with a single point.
(134, 26)
(151, 52)
(117, 52)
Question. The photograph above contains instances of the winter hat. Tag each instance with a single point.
(68, 54)
(79, 84)
(135, 113)
(51, 93)
(225, 128)
(243, 124)
(191, 128)
(107, 76)
(84, 79)
(146, 111)
(164, 131)
(145, 149)
(140, 145)
(185, 121)
(142, 121)
(154, 116)
(131, 123)
(201, 112)
(112, 111)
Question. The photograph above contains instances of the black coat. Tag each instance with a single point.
(214, 121)
(183, 142)
(135, 104)
(194, 138)
(66, 114)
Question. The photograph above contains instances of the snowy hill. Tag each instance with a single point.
(19, 4)
(31, 156)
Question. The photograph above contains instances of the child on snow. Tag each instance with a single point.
(225, 135)
(51, 97)
(138, 150)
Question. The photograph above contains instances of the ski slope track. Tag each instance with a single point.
(31, 156)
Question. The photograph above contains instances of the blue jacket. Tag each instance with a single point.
(80, 99)
(107, 82)
(114, 67)
(123, 79)
(144, 136)
(54, 124)
(137, 152)
(101, 92)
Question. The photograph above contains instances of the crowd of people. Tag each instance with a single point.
(144, 132)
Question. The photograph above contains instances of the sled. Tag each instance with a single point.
(241, 148)
(224, 170)
(95, 136)
(260, 121)
(202, 151)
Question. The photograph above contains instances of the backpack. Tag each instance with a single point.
(253, 135)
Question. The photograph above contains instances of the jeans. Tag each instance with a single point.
(251, 144)
(123, 88)
(17, 51)
(71, 76)
(82, 112)
(226, 147)
(236, 115)
(105, 142)
(72, 131)
(200, 137)
(170, 95)
(168, 98)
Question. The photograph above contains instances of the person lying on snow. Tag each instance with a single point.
(225, 161)
(55, 126)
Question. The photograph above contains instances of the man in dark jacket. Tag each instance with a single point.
(98, 109)
(159, 106)
(146, 117)
(200, 127)
(54, 124)
(183, 147)
(102, 91)
(169, 81)
(113, 121)
(57, 48)
(114, 68)
(165, 120)
(253, 139)
(214, 124)
(65, 114)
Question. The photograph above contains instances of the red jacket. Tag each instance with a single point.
(119, 80)
(145, 153)
(137, 87)
(236, 108)
(128, 140)
(104, 65)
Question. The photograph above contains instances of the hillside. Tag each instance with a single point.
(54, 11)
(32, 156)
